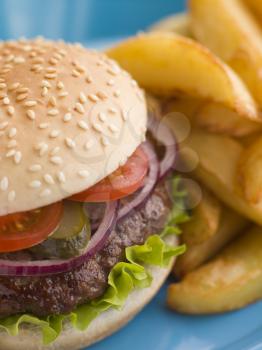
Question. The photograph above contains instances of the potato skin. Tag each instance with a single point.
(230, 281)
(231, 224)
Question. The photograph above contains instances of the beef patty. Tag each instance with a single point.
(61, 293)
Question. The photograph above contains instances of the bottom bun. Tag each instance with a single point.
(30, 338)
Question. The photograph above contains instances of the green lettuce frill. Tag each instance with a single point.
(123, 278)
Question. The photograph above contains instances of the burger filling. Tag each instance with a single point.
(86, 251)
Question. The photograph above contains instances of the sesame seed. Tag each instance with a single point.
(100, 63)
(82, 124)
(22, 90)
(21, 97)
(35, 184)
(82, 97)
(61, 177)
(97, 127)
(53, 112)
(43, 149)
(35, 168)
(14, 86)
(54, 133)
(124, 115)
(93, 98)
(104, 141)
(116, 93)
(38, 60)
(75, 73)
(67, 117)
(17, 157)
(10, 110)
(89, 79)
(4, 183)
(79, 108)
(56, 160)
(43, 125)
(36, 67)
(10, 58)
(51, 69)
(4, 71)
(45, 193)
(55, 150)
(44, 91)
(80, 68)
(49, 179)
(60, 85)
(52, 101)
(19, 59)
(53, 61)
(30, 114)
(89, 144)
(11, 196)
(12, 132)
(110, 82)
(63, 94)
(70, 143)
(57, 56)
(3, 125)
(45, 83)
(50, 75)
(113, 128)
(83, 173)
(30, 103)
(6, 101)
(102, 95)
(102, 116)
(112, 110)
(62, 53)
(3, 86)
(113, 70)
(10, 153)
(11, 144)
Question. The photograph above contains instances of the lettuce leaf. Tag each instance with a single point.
(123, 278)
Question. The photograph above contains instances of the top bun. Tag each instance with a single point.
(69, 117)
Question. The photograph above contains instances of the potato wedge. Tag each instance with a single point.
(250, 172)
(231, 281)
(204, 221)
(213, 117)
(256, 8)
(230, 225)
(217, 168)
(233, 35)
(178, 23)
(217, 118)
(166, 63)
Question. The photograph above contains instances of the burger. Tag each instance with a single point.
(88, 199)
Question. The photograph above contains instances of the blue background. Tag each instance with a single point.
(81, 20)
(94, 22)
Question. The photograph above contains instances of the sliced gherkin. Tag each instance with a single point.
(71, 237)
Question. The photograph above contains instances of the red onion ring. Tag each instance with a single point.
(48, 267)
(149, 183)
(164, 135)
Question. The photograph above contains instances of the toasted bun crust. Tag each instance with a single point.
(107, 323)
(68, 118)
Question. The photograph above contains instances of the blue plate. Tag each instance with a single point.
(95, 23)
(157, 328)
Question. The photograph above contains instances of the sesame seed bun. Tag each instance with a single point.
(108, 322)
(68, 118)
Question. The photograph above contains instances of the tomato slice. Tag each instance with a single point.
(124, 181)
(24, 230)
